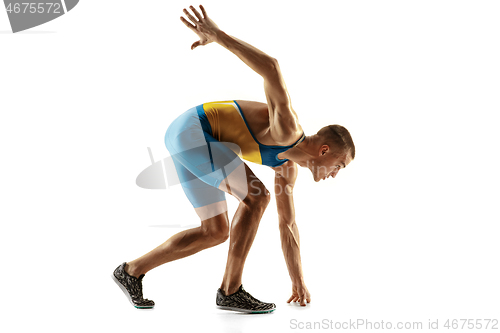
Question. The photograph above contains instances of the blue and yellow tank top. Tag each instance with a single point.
(226, 123)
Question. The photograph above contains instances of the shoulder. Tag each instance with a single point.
(284, 125)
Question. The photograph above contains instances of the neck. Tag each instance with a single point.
(304, 151)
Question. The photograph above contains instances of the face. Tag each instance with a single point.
(328, 164)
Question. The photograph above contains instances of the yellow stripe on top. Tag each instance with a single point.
(228, 126)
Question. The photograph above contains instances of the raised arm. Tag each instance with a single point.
(281, 115)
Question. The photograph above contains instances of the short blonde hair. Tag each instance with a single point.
(338, 136)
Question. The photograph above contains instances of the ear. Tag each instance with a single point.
(323, 150)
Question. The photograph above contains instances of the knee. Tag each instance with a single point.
(258, 197)
(220, 235)
(217, 232)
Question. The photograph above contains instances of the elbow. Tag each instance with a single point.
(270, 69)
(274, 63)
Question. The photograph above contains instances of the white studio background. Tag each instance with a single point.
(408, 232)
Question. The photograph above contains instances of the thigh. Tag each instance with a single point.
(244, 185)
(218, 165)
(208, 201)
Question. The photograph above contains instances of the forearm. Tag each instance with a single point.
(257, 60)
(290, 244)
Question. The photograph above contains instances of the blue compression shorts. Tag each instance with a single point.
(201, 161)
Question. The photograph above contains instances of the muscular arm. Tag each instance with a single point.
(281, 115)
(290, 241)
(260, 62)
(289, 233)
(290, 244)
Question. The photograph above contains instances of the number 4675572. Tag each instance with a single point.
(33, 8)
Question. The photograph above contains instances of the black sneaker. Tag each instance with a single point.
(131, 287)
(242, 301)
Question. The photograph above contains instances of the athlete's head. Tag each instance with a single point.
(336, 151)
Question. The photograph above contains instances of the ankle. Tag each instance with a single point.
(230, 289)
(132, 270)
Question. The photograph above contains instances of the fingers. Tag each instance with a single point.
(196, 13)
(305, 297)
(189, 25)
(294, 298)
(191, 17)
(302, 298)
(203, 11)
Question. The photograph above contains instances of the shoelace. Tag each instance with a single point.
(247, 296)
(250, 297)
(136, 288)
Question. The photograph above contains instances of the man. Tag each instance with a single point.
(206, 143)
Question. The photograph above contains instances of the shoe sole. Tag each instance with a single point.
(229, 308)
(127, 294)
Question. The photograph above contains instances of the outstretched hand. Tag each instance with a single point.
(203, 26)
(300, 294)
